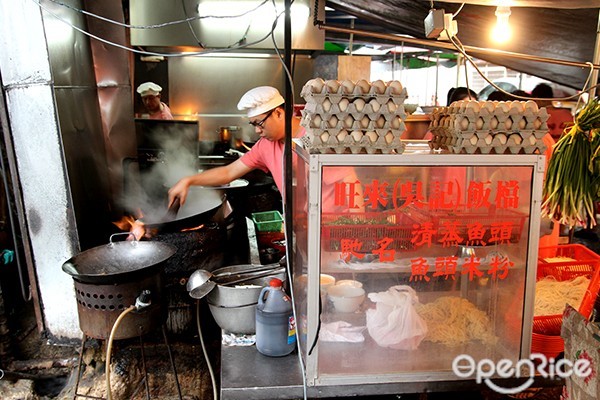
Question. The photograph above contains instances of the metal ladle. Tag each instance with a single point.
(202, 282)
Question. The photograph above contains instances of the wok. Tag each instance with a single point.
(200, 206)
(117, 262)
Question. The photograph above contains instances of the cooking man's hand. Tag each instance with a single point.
(179, 190)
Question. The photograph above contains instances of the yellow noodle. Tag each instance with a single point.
(454, 321)
(552, 295)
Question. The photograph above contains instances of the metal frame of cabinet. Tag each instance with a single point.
(307, 245)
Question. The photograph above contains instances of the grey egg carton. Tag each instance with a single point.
(342, 141)
(489, 127)
(485, 143)
(356, 107)
(366, 122)
(378, 90)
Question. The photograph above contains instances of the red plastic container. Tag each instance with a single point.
(546, 329)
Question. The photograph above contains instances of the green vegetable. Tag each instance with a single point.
(572, 181)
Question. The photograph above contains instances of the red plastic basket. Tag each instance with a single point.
(546, 329)
(368, 229)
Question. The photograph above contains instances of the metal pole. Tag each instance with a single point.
(448, 46)
(289, 108)
(596, 60)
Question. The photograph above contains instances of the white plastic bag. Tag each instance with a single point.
(394, 322)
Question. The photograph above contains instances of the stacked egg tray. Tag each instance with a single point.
(489, 127)
(353, 117)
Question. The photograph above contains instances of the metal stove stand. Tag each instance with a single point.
(144, 380)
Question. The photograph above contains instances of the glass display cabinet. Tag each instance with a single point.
(404, 262)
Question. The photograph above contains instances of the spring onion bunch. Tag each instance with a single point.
(572, 180)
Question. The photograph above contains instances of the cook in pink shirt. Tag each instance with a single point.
(264, 107)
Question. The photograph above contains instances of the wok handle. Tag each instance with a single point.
(110, 239)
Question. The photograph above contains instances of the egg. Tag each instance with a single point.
(316, 121)
(515, 138)
(332, 86)
(347, 86)
(479, 123)
(516, 106)
(537, 123)
(391, 106)
(326, 105)
(389, 137)
(488, 139)
(348, 121)
(316, 85)
(359, 104)
(472, 105)
(357, 136)
(503, 106)
(364, 86)
(379, 86)
(372, 136)
(522, 123)
(532, 106)
(489, 106)
(493, 123)
(343, 104)
(464, 124)
(324, 137)
(501, 138)
(395, 87)
(395, 122)
(333, 121)
(364, 122)
(374, 105)
(341, 136)
(380, 121)
(473, 140)
(508, 124)
(532, 140)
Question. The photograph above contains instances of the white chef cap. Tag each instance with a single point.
(149, 89)
(260, 100)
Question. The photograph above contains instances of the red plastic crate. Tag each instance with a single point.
(546, 329)
(367, 228)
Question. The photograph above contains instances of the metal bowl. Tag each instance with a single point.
(235, 319)
(200, 284)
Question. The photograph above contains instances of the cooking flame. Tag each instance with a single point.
(196, 228)
(131, 224)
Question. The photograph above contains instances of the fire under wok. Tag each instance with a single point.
(116, 262)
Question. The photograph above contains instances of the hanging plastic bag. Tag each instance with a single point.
(395, 322)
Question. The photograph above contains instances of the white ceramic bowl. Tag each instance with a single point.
(346, 298)
(350, 282)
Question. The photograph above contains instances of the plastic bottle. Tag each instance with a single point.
(275, 325)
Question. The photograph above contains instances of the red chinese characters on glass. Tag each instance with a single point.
(383, 252)
(419, 269)
(350, 247)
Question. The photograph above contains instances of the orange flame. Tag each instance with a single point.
(196, 228)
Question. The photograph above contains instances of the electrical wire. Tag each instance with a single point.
(459, 46)
(176, 22)
(190, 24)
(457, 11)
(151, 53)
(210, 369)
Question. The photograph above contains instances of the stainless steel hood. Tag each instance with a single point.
(217, 30)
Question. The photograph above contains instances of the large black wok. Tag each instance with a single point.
(117, 262)
(200, 206)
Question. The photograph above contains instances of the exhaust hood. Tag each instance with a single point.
(223, 24)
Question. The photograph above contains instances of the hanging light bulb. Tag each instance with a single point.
(502, 32)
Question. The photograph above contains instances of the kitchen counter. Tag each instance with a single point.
(248, 375)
